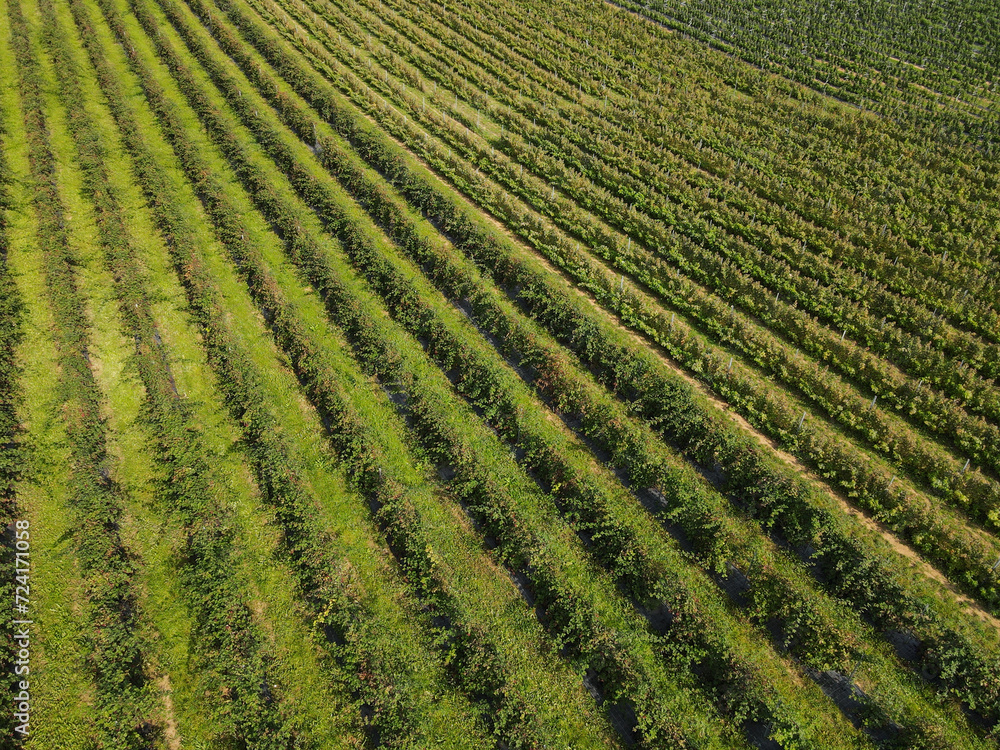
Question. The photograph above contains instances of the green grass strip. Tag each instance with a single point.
(124, 696)
(313, 557)
(59, 679)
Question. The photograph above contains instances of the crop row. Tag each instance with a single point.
(701, 190)
(487, 483)
(556, 134)
(119, 653)
(382, 677)
(494, 254)
(820, 198)
(963, 553)
(942, 473)
(370, 261)
(477, 378)
(11, 311)
(12, 451)
(706, 267)
(242, 672)
(214, 26)
(633, 46)
(504, 404)
(860, 62)
(233, 647)
(623, 192)
(490, 390)
(354, 444)
(627, 118)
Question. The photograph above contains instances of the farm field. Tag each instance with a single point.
(539, 374)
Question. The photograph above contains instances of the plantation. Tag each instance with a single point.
(508, 375)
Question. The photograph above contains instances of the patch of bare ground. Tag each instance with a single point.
(131, 528)
(170, 733)
(259, 608)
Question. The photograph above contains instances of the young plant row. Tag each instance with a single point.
(11, 333)
(712, 263)
(781, 195)
(707, 265)
(965, 554)
(621, 173)
(879, 592)
(623, 119)
(943, 474)
(118, 655)
(472, 659)
(619, 537)
(472, 664)
(573, 44)
(625, 197)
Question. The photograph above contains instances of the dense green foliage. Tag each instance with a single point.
(593, 387)
(117, 648)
